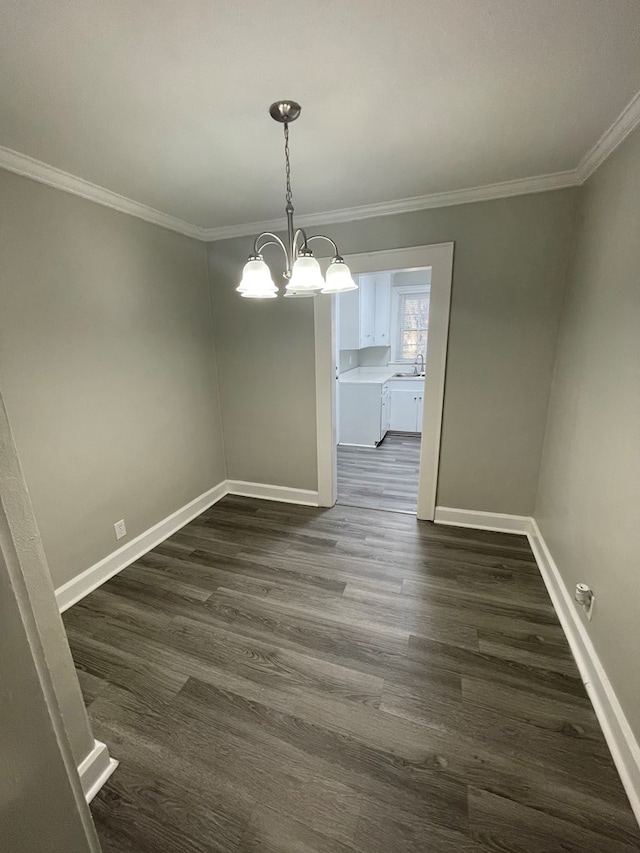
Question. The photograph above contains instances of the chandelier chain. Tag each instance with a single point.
(289, 195)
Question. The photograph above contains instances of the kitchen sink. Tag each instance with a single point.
(408, 375)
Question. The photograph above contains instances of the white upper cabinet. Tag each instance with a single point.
(367, 310)
(364, 313)
(382, 288)
(349, 314)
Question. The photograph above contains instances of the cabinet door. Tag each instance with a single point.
(382, 305)
(360, 419)
(349, 308)
(367, 310)
(404, 410)
(419, 412)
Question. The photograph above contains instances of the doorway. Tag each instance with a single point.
(438, 259)
(381, 349)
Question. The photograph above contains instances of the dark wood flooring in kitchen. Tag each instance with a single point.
(383, 477)
(286, 679)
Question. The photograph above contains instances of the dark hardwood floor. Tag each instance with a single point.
(383, 477)
(286, 679)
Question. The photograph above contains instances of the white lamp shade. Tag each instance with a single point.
(256, 281)
(306, 276)
(339, 278)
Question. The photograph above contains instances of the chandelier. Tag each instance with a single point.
(301, 269)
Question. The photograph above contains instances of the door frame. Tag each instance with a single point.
(438, 256)
(42, 742)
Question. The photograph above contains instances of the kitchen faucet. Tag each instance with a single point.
(415, 365)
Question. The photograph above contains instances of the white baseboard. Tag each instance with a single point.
(351, 444)
(620, 739)
(265, 492)
(497, 521)
(95, 769)
(93, 577)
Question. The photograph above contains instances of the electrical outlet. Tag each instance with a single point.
(585, 598)
(350, 360)
(120, 529)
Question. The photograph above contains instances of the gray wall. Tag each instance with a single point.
(589, 498)
(509, 273)
(107, 368)
(266, 367)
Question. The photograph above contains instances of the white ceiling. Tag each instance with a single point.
(165, 102)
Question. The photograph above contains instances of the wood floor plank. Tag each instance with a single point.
(187, 648)
(154, 817)
(92, 686)
(125, 669)
(291, 679)
(382, 478)
(374, 616)
(363, 762)
(232, 760)
(270, 832)
(496, 823)
(500, 670)
(385, 828)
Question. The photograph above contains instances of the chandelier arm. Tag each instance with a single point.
(274, 241)
(338, 256)
(299, 232)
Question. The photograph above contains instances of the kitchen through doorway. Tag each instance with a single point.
(381, 367)
(332, 360)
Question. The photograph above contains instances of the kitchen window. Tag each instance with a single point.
(410, 322)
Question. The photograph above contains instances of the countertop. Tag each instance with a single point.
(376, 375)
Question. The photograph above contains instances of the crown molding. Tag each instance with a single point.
(488, 192)
(21, 164)
(628, 119)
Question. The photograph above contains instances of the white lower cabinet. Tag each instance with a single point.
(364, 413)
(406, 409)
